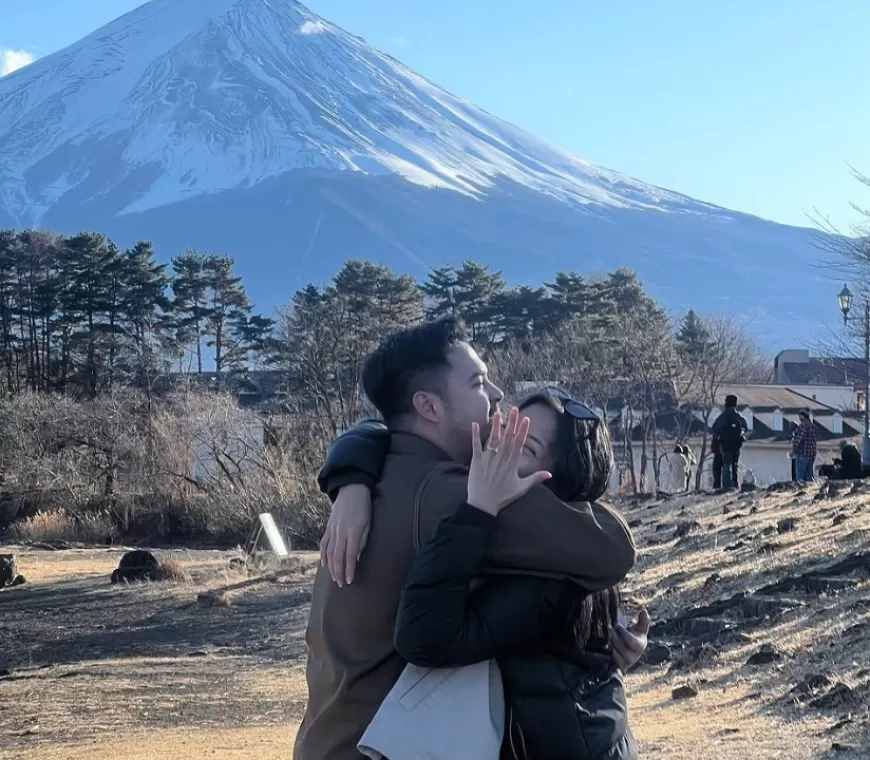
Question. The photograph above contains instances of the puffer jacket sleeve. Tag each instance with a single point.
(443, 622)
(355, 457)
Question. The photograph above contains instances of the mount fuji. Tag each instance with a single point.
(258, 129)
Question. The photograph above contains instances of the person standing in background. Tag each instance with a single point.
(804, 449)
(690, 470)
(730, 431)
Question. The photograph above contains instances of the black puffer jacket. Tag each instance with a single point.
(563, 704)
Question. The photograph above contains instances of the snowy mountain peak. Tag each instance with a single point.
(181, 98)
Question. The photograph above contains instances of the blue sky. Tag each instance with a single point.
(759, 106)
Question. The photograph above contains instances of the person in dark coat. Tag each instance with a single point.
(849, 465)
(729, 431)
(564, 694)
(794, 428)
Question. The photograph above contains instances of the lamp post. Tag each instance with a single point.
(844, 300)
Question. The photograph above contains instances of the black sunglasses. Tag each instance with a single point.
(575, 409)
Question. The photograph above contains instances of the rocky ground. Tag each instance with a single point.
(761, 605)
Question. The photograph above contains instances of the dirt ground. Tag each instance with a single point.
(100, 672)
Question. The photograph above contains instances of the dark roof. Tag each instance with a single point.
(833, 371)
(761, 398)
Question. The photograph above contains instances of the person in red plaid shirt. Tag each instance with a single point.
(804, 449)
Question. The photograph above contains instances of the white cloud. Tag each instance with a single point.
(312, 27)
(12, 60)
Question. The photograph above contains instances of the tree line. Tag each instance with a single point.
(79, 316)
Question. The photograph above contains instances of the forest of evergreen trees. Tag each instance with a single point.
(98, 327)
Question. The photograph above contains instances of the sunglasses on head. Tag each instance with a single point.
(573, 408)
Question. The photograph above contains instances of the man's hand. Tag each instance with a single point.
(347, 532)
(629, 644)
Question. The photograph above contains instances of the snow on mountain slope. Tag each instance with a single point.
(256, 128)
(183, 97)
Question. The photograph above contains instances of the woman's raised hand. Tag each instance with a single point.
(493, 480)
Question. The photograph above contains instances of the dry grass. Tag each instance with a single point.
(173, 571)
(146, 671)
(62, 526)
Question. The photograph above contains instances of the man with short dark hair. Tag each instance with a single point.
(729, 433)
(430, 386)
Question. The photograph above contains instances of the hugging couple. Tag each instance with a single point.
(468, 605)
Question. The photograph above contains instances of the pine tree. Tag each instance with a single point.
(582, 301)
(146, 318)
(89, 267)
(189, 305)
(693, 338)
(521, 313)
(227, 312)
(440, 293)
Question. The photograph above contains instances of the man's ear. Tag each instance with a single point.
(428, 406)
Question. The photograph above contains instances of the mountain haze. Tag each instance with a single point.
(256, 128)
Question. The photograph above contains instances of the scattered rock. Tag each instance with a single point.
(770, 548)
(840, 724)
(694, 656)
(4, 672)
(767, 655)
(240, 563)
(213, 599)
(787, 524)
(761, 607)
(9, 575)
(726, 511)
(811, 685)
(657, 654)
(635, 523)
(748, 487)
(685, 527)
(765, 532)
(712, 580)
(851, 564)
(735, 546)
(858, 629)
(753, 510)
(684, 692)
(138, 565)
(661, 527)
(839, 747)
(840, 519)
(840, 695)
(783, 487)
(705, 627)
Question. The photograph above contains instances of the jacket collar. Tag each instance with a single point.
(411, 444)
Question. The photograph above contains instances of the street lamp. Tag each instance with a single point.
(844, 300)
